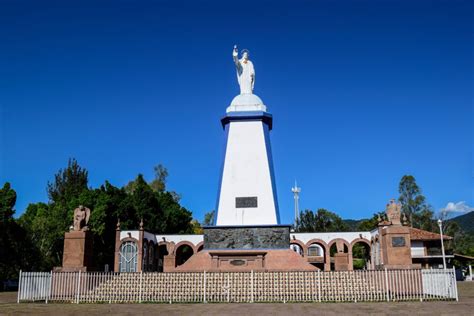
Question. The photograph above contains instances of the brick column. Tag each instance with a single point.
(117, 248)
(327, 260)
(141, 234)
(350, 265)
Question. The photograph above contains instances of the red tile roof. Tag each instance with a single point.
(420, 234)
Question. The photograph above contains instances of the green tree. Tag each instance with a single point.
(321, 221)
(160, 211)
(414, 204)
(68, 183)
(177, 219)
(7, 252)
(7, 203)
(371, 223)
(196, 227)
(107, 204)
(15, 251)
(209, 218)
(462, 242)
(158, 184)
(46, 224)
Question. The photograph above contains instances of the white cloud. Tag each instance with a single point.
(459, 207)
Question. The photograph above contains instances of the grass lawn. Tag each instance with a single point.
(465, 306)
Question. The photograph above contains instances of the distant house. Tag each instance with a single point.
(426, 248)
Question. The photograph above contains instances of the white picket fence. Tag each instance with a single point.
(305, 286)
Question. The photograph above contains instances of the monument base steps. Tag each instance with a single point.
(245, 260)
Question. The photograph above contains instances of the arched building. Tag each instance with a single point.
(389, 245)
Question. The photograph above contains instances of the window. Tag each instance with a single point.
(128, 257)
(315, 250)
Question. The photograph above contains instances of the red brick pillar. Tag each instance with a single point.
(327, 259)
(117, 248)
(141, 234)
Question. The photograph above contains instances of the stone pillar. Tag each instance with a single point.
(350, 261)
(117, 248)
(341, 261)
(396, 247)
(327, 260)
(77, 255)
(169, 263)
(141, 234)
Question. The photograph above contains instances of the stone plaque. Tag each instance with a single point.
(237, 262)
(246, 202)
(247, 237)
(398, 241)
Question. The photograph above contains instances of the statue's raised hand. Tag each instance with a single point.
(235, 52)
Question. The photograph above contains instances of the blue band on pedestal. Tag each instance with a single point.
(265, 117)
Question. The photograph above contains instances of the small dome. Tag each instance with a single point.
(246, 99)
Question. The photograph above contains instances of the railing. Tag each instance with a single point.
(307, 286)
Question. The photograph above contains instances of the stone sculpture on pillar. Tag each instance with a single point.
(77, 255)
(393, 212)
(170, 259)
(395, 239)
(81, 218)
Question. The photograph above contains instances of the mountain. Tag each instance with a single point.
(466, 222)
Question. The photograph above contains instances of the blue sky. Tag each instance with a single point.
(362, 92)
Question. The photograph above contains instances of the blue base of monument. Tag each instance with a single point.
(265, 117)
(251, 237)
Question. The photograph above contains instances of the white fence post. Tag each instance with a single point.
(455, 284)
(319, 286)
(19, 289)
(140, 289)
(49, 289)
(251, 287)
(205, 285)
(228, 287)
(386, 285)
(78, 285)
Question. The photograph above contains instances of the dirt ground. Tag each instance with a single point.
(465, 306)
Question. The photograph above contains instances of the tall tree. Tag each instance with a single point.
(414, 204)
(321, 221)
(158, 184)
(7, 203)
(7, 253)
(68, 183)
(49, 222)
(15, 251)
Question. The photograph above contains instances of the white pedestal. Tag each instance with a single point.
(247, 193)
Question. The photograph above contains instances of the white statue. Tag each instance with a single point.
(245, 71)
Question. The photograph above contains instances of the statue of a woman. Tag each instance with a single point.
(245, 71)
